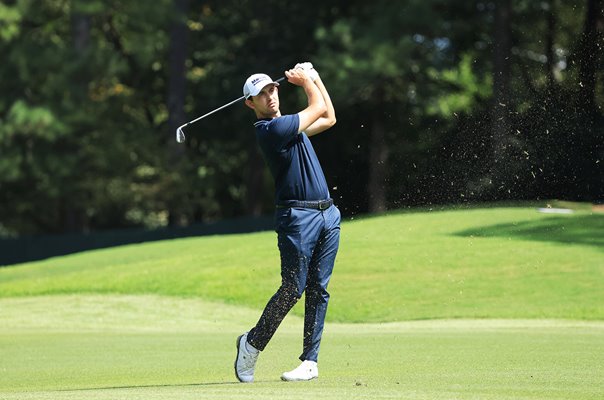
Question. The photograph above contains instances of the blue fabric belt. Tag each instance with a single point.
(317, 205)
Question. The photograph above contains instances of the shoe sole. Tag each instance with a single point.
(237, 358)
(298, 380)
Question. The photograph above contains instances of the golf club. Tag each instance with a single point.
(180, 134)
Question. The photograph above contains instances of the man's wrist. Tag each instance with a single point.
(308, 82)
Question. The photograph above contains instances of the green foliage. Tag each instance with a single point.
(84, 115)
(76, 127)
(471, 89)
(9, 22)
(29, 121)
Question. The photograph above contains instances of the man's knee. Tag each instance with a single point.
(318, 293)
(289, 294)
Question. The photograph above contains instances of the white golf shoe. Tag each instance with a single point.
(245, 363)
(305, 372)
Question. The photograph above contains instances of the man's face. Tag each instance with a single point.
(266, 103)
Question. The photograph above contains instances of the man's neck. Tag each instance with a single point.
(268, 116)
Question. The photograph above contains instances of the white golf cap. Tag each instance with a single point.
(255, 83)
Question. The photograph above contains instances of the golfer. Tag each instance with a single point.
(306, 221)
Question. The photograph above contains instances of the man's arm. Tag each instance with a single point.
(328, 119)
(316, 103)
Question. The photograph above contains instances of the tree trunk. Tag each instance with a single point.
(255, 182)
(176, 96)
(73, 218)
(589, 54)
(500, 124)
(81, 32)
(378, 156)
(589, 141)
(176, 67)
(549, 43)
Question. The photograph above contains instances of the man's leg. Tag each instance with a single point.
(296, 241)
(276, 309)
(294, 266)
(317, 297)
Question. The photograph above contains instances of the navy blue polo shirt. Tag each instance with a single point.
(291, 159)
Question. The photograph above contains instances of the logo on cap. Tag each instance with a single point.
(255, 83)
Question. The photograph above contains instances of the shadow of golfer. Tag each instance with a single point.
(200, 384)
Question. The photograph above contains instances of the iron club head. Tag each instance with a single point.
(180, 135)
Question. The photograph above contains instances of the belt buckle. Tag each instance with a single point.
(323, 205)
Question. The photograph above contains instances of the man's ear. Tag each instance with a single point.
(250, 104)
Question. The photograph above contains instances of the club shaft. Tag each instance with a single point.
(213, 111)
(220, 108)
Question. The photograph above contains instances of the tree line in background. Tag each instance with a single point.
(437, 102)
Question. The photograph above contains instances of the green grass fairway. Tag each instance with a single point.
(479, 303)
(151, 347)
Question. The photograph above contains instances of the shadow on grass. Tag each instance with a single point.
(200, 384)
(581, 229)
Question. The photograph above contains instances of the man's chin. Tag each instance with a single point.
(271, 114)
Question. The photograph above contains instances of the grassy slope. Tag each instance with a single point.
(478, 263)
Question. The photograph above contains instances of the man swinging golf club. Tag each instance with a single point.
(306, 221)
